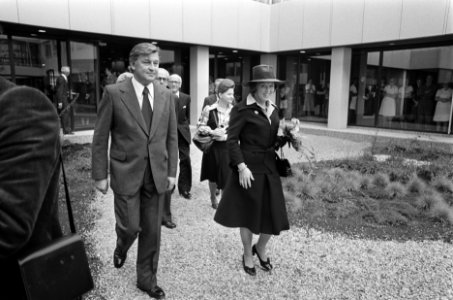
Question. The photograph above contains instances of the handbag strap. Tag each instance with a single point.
(68, 200)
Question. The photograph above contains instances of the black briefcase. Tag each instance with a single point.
(59, 270)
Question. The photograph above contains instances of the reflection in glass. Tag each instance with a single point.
(399, 90)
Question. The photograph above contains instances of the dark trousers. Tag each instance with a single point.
(66, 121)
(185, 166)
(141, 215)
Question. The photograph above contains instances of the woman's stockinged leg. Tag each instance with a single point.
(212, 191)
(261, 245)
(246, 238)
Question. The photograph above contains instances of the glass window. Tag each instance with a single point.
(83, 84)
(305, 92)
(408, 89)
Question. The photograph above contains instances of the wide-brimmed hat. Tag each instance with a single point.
(263, 73)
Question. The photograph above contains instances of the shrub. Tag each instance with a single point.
(443, 185)
(381, 180)
(396, 190)
(442, 211)
(416, 186)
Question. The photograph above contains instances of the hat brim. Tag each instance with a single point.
(265, 80)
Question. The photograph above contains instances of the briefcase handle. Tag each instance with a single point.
(68, 201)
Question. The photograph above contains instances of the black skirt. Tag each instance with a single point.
(261, 208)
(215, 165)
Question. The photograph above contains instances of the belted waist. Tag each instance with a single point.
(257, 149)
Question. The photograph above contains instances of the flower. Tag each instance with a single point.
(290, 133)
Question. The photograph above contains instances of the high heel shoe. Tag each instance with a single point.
(251, 271)
(265, 265)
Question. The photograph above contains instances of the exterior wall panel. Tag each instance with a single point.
(317, 21)
(8, 11)
(274, 24)
(37, 13)
(290, 25)
(166, 20)
(347, 22)
(423, 18)
(197, 21)
(95, 19)
(250, 26)
(382, 20)
(266, 34)
(225, 23)
(131, 20)
(449, 18)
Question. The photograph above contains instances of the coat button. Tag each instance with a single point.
(145, 158)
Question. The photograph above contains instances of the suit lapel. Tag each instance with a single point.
(158, 108)
(130, 100)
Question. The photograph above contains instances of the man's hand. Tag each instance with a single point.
(102, 185)
(60, 105)
(171, 183)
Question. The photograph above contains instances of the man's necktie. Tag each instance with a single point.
(147, 111)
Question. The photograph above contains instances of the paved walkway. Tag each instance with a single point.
(202, 260)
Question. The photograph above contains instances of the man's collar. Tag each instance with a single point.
(139, 87)
(64, 76)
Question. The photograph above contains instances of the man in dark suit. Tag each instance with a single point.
(211, 99)
(140, 118)
(29, 179)
(182, 106)
(62, 97)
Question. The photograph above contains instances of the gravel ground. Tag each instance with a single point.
(202, 260)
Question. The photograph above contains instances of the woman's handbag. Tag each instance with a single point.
(202, 141)
(60, 270)
(283, 165)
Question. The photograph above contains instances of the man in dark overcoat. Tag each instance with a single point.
(29, 179)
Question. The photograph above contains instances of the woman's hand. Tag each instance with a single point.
(206, 130)
(245, 178)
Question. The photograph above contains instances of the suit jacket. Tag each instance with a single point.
(132, 144)
(61, 91)
(211, 99)
(182, 106)
(29, 180)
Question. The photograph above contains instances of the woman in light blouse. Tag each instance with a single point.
(388, 106)
(214, 121)
(443, 107)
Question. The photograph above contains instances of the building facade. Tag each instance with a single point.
(381, 64)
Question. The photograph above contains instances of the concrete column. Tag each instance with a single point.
(199, 80)
(340, 73)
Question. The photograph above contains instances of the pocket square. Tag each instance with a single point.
(184, 107)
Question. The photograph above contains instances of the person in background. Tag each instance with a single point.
(253, 197)
(125, 75)
(426, 101)
(353, 94)
(139, 116)
(284, 95)
(167, 220)
(443, 107)
(214, 120)
(162, 77)
(110, 77)
(29, 179)
(213, 98)
(309, 103)
(63, 99)
(182, 106)
(388, 106)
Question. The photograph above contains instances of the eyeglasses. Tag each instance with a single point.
(174, 81)
(162, 78)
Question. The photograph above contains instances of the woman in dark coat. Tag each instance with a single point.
(253, 197)
(214, 121)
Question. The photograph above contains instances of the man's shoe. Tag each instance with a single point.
(156, 292)
(186, 194)
(169, 224)
(118, 258)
